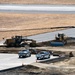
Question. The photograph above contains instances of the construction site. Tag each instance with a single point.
(60, 45)
(37, 38)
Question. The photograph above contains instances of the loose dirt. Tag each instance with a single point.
(33, 70)
(12, 24)
(38, 1)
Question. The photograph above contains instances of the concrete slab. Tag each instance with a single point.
(51, 35)
(11, 60)
(8, 61)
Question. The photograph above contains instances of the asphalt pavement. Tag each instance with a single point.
(22, 8)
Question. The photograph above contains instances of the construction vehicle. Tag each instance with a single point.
(60, 37)
(19, 41)
(60, 40)
(14, 41)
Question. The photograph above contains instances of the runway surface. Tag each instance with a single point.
(19, 8)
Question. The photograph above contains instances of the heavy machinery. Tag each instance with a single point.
(60, 40)
(61, 37)
(19, 41)
(14, 41)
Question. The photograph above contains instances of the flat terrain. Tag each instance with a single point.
(34, 70)
(12, 60)
(30, 24)
(39, 1)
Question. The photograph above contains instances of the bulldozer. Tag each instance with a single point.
(60, 40)
(60, 37)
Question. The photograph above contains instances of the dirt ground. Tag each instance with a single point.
(39, 1)
(33, 70)
(12, 24)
